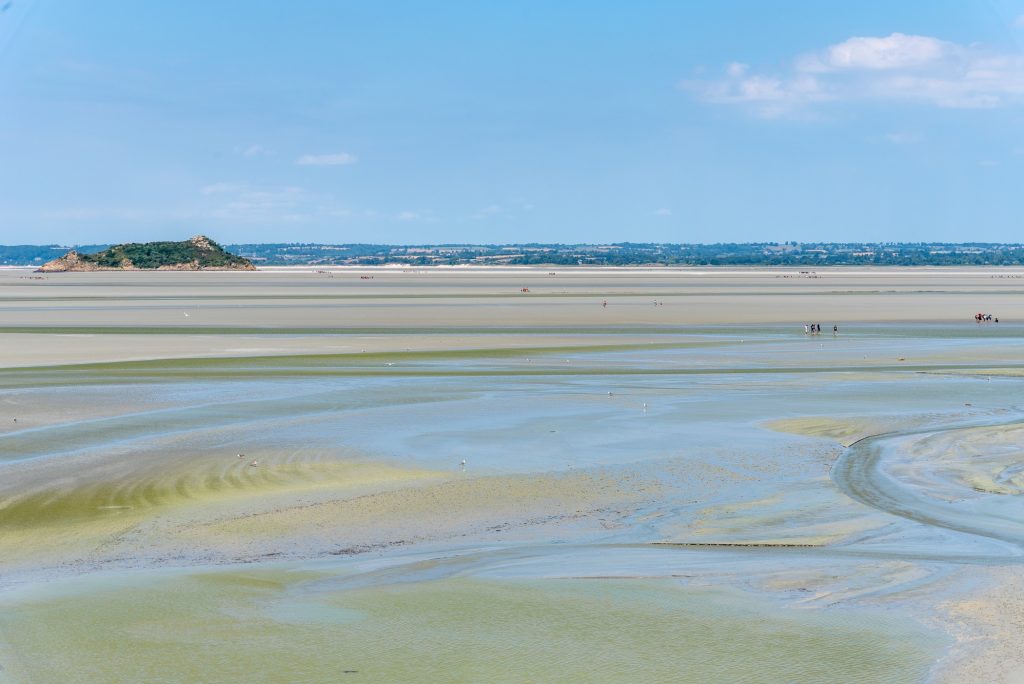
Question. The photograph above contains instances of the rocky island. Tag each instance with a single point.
(197, 254)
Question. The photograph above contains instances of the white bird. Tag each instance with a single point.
(186, 313)
(241, 455)
(254, 464)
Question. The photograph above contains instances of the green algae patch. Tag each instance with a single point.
(427, 364)
(73, 518)
(276, 626)
(213, 481)
(357, 358)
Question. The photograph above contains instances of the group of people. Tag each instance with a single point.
(815, 329)
(985, 318)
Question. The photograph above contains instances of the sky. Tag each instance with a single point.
(496, 122)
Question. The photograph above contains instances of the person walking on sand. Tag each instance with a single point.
(807, 329)
(835, 330)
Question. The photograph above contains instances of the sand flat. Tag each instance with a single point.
(441, 431)
(473, 296)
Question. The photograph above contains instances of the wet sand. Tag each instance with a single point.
(242, 625)
(637, 476)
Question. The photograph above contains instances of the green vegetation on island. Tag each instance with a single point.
(198, 253)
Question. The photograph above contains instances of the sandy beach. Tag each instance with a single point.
(514, 474)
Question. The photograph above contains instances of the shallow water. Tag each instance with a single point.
(644, 514)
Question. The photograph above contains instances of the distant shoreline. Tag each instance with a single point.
(810, 255)
(849, 269)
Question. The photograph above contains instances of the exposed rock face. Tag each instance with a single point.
(203, 243)
(72, 261)
(200, 253)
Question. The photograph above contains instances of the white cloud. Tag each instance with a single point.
(332, 159)
(407, 216)
(737, 69)
(254, 151)
(1019, 21)
(769, 95)
(895, 51)
(663, 212)
(894, 68)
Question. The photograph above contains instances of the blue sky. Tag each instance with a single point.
(510, 122)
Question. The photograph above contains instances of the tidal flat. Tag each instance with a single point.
(619, 475)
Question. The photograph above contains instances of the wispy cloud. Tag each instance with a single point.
(508, 210)
(241, 203)
(420, 215)
(488, 211)
(254, 151)
(894, 68)
(663, 212)
(332, 159)
(246, 203)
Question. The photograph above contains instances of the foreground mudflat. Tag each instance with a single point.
(616, 476)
